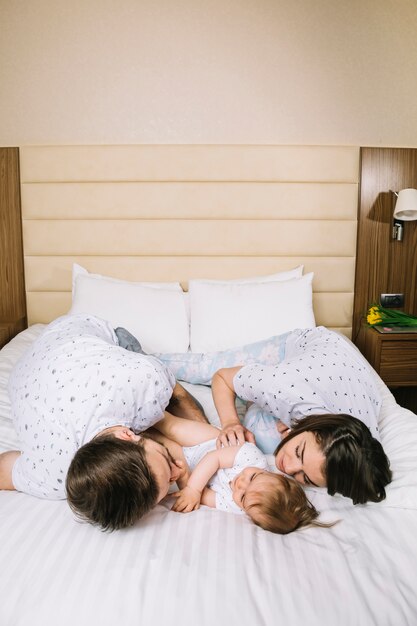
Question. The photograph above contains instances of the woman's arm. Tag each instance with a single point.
(233, 433)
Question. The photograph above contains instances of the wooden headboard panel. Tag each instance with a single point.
(162, 213)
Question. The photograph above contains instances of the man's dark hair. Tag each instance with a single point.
(356, 465)
(109, 483)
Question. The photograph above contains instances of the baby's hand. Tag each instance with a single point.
(182, 479)
(188, 499)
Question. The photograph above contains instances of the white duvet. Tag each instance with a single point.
(210, 568)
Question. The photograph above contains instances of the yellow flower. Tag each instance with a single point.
(377, 314)
(374, 315)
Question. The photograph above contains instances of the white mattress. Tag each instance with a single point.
(208, 567)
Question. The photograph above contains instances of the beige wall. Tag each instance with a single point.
(213, 71)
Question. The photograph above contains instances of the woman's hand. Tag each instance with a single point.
(188, 499)
(283, 429)
(234, 435)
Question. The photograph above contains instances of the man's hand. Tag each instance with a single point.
(234, 435)
(188, 499)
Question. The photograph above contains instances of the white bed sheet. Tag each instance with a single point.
(212, 568)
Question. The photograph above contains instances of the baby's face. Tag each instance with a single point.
(246, 485)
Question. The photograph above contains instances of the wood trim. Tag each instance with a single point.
(8, 330)
(12, 286)
(384, 265)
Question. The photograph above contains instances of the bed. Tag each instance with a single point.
(204, 213)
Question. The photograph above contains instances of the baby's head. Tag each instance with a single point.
(273, 501)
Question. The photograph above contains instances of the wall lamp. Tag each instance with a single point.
(405, 211)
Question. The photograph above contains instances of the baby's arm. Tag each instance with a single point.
(186, 432)
(189, 498)
(208, 497)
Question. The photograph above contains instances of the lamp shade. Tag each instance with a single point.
(406, 205)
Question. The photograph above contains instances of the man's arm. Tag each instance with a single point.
(224, 396)
(7, 460)
(183, 404)
(186, 432)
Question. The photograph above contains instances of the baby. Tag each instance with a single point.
(233, 478)
(236, 479)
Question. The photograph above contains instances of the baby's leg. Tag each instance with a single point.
(199, 368)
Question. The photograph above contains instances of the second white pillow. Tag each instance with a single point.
(226, 316)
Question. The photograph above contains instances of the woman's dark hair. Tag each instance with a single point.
(110, 483)
(356, 465)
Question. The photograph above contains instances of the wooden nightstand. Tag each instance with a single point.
(394, 357)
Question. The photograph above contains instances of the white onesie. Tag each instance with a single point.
(248, 456)
(71, 384)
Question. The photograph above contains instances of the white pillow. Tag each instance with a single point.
(233, 314)
(78, 270)
(296, 272)
(156, 316)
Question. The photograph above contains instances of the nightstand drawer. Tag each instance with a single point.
(398, 362)
(393, 355)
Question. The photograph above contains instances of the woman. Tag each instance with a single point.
(312, 387)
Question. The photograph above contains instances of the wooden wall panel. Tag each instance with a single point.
(12, 288)
(383, 264)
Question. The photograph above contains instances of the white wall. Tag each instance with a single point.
(208, 71)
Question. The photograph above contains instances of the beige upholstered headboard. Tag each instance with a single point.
(164, 213)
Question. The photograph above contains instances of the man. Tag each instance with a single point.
(76, 386)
